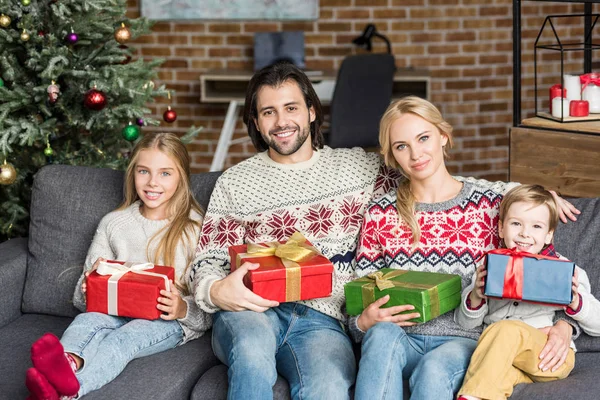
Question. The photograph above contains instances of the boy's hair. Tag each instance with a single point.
(181, 226)
(405, 200)
(536, 195)
(274, 76)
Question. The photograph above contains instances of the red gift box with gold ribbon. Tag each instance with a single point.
(289, 271)
(127, 289)
(530, 277)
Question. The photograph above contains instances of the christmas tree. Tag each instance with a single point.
(69, 93)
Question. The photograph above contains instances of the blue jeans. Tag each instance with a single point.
(308, 348)
(107, 344)
(434, 365)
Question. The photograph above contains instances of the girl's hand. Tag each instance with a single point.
(172, 304)
(476, 296)
(94, 267)
(575, 289)
(374, 314)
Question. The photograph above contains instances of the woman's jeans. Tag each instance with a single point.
(434, 365)
(107, 343)
(308, 348)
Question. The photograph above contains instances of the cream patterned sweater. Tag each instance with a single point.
(123, 235)
(260, 200)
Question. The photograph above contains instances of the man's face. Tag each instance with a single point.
(284, 122)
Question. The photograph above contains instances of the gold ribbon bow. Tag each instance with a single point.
(384, 281)
(295, 250)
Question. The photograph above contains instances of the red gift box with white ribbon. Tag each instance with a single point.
(128, 289)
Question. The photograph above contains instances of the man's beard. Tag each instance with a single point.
(300, 139)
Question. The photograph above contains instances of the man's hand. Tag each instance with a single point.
(565, 209)
(172, 304)
(374, 314)
(230, 293)
(94, 267)
(555, 351)
(476, 296)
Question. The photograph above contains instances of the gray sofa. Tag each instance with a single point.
(38, 275)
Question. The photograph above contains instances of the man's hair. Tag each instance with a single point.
(274, 76)
(535, 195)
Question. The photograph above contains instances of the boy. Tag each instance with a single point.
(508, 350)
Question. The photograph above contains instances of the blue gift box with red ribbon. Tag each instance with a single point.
(530, 277)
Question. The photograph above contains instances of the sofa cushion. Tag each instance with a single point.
(168, 375)
(67, 204)
(579, 242)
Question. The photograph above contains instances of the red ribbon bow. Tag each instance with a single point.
(513, 275)
(586, 79)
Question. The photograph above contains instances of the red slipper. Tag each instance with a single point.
(48, 357)
(39, 386)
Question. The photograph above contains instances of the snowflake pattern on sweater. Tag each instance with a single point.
(260, 200)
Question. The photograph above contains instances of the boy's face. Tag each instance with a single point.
(526, 227)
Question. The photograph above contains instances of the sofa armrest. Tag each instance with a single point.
(13, 268)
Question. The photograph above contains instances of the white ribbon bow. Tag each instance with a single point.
(116, 271)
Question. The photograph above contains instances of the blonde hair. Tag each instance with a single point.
(535, 195)
(181, 226)
(405, 202)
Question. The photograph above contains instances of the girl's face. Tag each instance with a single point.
(526, 227)
(417, 146)
(156, 180)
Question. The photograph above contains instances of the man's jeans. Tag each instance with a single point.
(107, 343)
(308, 348)
(434, 365)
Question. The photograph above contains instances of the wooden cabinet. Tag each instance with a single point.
(566, 161)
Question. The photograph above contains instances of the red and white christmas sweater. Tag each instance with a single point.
(259, 200)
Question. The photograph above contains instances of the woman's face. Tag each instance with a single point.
(417, 146)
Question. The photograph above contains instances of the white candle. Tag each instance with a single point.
(573, 86)
(591, 93)
(557, 107)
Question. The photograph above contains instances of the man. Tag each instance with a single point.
(293, 184)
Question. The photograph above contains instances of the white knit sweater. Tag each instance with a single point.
(123, 235)
(260, 200)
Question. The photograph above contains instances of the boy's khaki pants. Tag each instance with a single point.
(508, 354)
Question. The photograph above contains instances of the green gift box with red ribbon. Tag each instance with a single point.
(432, 294)
(530, 277)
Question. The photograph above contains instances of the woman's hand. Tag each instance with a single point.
(565, 209)
(374, 314)
(555, 351)
(171, 304)
(476, 296)
(94, 267)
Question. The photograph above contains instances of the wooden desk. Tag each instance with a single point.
(229, 86)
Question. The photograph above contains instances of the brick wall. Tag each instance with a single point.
(465, 44)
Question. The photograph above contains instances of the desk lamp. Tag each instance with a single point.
(364, 40)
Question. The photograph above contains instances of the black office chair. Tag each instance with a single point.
(362, 93)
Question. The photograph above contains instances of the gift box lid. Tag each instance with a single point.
(272, 268)
(547, 281)
(141, 278)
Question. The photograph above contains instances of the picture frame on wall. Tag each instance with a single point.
(163, 10)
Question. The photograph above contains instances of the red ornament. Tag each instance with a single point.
(95, 100)
(170, 115)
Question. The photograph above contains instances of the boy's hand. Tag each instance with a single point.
(575, 289)
(172, 304)
(374, 314)
(476, 296)
(94, 267)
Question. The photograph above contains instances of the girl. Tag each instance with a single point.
(159, 221)
(433, 222)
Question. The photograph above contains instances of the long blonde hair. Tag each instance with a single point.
(181, 226)
(405, 202)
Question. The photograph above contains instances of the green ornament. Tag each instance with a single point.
(26, 2)
(1, 83)
(48, 152)
(131, 132)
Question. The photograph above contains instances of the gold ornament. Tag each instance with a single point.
(8, 174)
(24, 36)
(5, 21)
(148, 84)
(123, 34)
